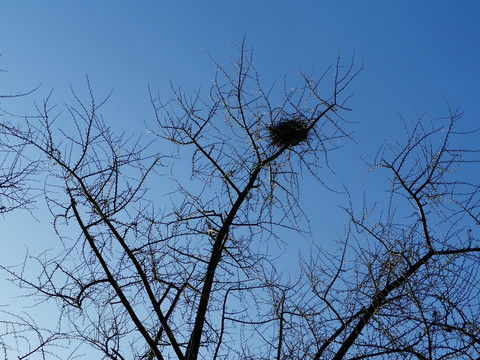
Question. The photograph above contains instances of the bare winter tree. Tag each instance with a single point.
(14, 167)
(19, 333)
(198, 277)
(405, 282)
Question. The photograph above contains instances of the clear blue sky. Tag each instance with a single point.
(416, 53)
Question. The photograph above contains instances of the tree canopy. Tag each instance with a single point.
(198, 277)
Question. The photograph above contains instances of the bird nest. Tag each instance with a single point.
(288, 132)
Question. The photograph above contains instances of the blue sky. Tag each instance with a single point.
(414, 52)
(416, 55)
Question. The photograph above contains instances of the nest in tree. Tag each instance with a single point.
(288, 132)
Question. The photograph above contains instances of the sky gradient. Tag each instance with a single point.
(416, 56)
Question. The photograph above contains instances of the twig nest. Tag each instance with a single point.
(288, 132)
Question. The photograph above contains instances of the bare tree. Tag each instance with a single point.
(197, 278)
(19, 333)
(405, 282)
(15, 168)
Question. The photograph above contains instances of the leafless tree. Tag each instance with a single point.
(405, 282)
(197, 276)
(15, 168)
(19, 333)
